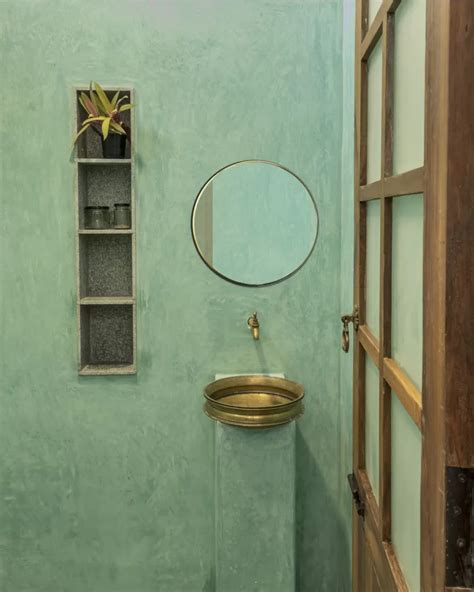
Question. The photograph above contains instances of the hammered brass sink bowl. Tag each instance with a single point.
(254, 401)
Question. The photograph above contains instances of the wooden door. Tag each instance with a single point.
(414, 289)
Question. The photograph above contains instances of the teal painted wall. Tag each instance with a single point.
(347, 271)
(106, 484)
(254, 550)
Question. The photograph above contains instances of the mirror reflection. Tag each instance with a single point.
(254, 223)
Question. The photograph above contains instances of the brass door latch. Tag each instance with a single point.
(346, 319)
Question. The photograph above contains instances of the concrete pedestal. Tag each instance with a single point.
(255, 509)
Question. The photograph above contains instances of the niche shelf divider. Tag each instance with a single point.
(106, 258)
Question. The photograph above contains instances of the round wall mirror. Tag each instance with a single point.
(254, 223)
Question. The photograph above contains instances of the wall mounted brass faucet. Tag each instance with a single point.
(254, 326)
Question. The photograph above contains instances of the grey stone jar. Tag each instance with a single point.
(96, 217)
(122, 216)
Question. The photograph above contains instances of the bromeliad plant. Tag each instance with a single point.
(104, 114)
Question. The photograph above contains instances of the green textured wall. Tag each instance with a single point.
(347, 272)
(255, 542)
(106, 483)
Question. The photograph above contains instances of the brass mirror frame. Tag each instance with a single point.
(193, 217)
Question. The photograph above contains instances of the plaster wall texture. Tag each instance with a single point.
(255, 509)
(106, 483)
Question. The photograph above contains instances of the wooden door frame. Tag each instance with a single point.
(443, 409)
(448, 331)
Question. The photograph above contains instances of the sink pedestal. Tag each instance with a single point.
(255, 509)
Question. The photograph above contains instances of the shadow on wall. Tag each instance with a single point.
(210, 583)
(316, 513)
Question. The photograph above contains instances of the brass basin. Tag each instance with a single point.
(254, 401)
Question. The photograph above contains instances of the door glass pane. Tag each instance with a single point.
(406, 491)
(407, 285)
(372, 286)
(374, 5)
(409, 86)
(374, 114)
(372, 424)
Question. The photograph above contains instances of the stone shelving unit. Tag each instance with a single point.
(106, 301)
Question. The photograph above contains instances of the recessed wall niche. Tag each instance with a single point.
(106, 299)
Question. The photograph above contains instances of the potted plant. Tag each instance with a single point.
(104, 117)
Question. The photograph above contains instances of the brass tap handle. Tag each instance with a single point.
(254, 326)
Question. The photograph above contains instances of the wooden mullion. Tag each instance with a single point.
(434, 298)
(386, 279)
(359, 353)
(360, 173)
(360, 231)
(371, 191)
(408, 183)
(406, 392)
(370, 344)
(362, 127)
(385, 347)
(387, 96)
(373, 35)
(374, 31)
(359, 411)
(362, 26)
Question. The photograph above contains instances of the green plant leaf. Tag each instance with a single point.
(84, 105)
(117, 127)
(120, 100)
(91, 119)
(105, 127)
(99, 107)
(81, 101)
(89, 105)
(114, 99)
(126, 107)
(93, 98)
(81, 131)
(103, 97)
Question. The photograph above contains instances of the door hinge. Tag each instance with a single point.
(459, 527)
(346, 319)
(359, 504)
